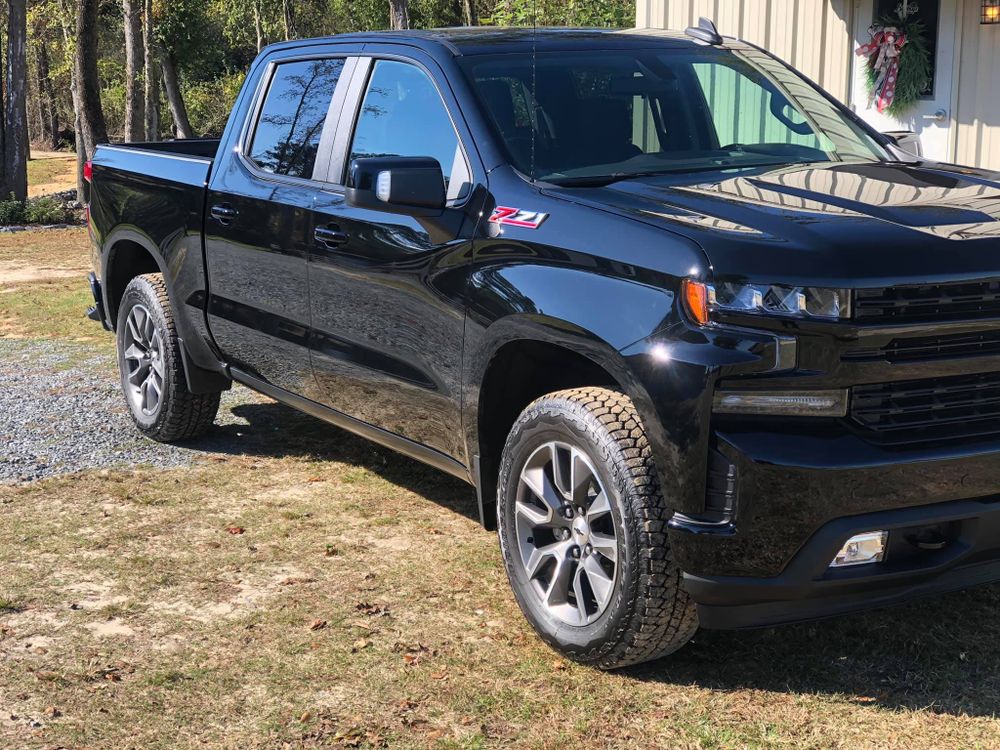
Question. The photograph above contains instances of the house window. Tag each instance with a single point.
(927, 11)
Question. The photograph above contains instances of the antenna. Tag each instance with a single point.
(705, 31)
(534, 83)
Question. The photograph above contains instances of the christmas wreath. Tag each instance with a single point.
(899, 61)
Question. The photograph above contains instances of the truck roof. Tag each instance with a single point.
(478, 40)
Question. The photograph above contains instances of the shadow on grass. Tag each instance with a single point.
(941, 654)
(278, 431)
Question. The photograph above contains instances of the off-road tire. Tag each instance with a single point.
(649, 615)
(181, 415)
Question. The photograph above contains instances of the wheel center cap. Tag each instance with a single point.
(581, 530)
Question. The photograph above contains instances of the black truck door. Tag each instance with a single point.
(388, 290)
(258, 232)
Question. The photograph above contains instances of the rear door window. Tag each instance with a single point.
(287, 137)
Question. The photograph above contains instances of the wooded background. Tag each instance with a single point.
(82, 72)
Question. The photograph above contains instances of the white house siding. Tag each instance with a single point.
(977, 109)
(812, 35)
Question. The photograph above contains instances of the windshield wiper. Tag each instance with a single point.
(608, 179)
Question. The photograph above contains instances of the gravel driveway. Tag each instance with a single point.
(61, 411)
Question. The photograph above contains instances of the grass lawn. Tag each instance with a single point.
(303, 588)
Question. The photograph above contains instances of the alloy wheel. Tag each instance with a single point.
(143, 358)
(566, 534)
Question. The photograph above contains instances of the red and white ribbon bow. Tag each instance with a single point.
(887, 42)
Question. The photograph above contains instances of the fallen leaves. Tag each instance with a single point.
(317, 624)
(235, 530)
(373, 610)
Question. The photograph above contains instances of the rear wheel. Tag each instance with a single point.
(152, 373)
(583, 531)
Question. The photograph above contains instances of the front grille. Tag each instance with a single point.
(928, 349)
(924, 410)
(928, 302)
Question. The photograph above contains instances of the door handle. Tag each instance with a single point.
(940, 116)
(224, 213)
(330, 236)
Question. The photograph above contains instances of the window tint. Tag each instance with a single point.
(403, 115)
(291, 120)
(582, 118)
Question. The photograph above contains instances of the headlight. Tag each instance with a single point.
(765, 299)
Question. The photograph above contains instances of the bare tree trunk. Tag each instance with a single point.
(74, 90)
(134, 114)
(47, 94)
(92, 122)
(15, 131)
(151, 80)
(286, 7)
(470, 12)
(182, 126)
(258, 26)
(399, 14)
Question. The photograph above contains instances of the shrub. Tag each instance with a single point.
(12, 212)
(44, 211)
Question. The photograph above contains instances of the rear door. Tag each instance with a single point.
(388, 290)
(258, 232)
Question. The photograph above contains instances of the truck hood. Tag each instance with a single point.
(842, 224)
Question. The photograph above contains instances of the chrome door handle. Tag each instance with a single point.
(940, 116)
(223, 213)
(330, 236)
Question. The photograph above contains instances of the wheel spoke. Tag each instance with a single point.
(598, 507)
(138, 376)
(562, 470)
(606, 545)
(532, 514)
(157, 364)
(559, 585)
(581, 598)
(581, 477)
(538, 481)
(600, 582)
(135, 351)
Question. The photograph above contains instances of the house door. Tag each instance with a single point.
(932, 119)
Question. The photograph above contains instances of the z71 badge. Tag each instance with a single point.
(515, 217)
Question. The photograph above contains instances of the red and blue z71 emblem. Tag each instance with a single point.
(515, 217)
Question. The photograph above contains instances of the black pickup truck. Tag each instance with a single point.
(710, 349)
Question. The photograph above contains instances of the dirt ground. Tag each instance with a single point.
(51, 172)
(293, 586)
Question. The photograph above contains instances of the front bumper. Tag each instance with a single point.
(808, 589)
(802, 495)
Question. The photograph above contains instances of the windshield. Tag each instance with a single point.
(595, 117)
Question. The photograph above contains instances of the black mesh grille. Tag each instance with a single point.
(922, 410)
(932, 302)
(927, 349)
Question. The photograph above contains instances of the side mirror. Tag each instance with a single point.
(906, 141)
(411, 185)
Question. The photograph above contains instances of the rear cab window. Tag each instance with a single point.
(286, 137)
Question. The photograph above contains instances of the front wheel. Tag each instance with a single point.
(152, 373)
(582, 527)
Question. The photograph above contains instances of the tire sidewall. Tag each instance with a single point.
(565, 421)
(141, 292)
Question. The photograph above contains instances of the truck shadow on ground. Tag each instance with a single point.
(940, 654)
(278, 431)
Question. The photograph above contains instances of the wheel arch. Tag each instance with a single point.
(128, 254)
(527, 357)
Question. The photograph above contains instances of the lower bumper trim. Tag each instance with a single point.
(808, 589)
